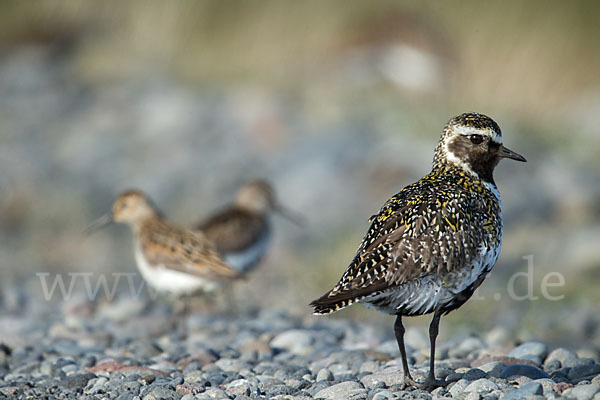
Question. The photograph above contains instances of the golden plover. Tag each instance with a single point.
(432, 244)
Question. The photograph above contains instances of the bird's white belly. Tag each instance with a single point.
(431, 292)
(170, 281)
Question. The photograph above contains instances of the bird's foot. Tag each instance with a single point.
(432, 383)
(407, 382)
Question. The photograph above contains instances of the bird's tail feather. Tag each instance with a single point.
(329, 303)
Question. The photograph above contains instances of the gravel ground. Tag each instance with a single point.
(126, 349)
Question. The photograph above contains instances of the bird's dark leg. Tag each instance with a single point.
(431, 382)
(399, 331)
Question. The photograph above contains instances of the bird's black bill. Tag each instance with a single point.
(291, 216)
(99, 223)
(508, 153)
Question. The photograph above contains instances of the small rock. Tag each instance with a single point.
(583, 361)
(553, 365)
(324, 374)
(525, 391)
(240, 387)
(193, 377)
(566, 357)
(547, 385)
(474, 373)
(49, 368)
(215, 393)
(582, 392)
(383, 395)
(161, 392)
(454, 377)
(493, 369)
(523, 370)
(561, 387)
(458, 387)
(481, 386)
(339, 391)
(77, 382)
(10, 391)
(536, 349)
(561, 374)
(189, 388)
(228, 364)
(582, 372)
(520, 380)
(473, 396)
(389, 378)
(466, 347)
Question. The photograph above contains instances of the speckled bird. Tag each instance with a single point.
(171, 259)
(242, 231)
(433, 243)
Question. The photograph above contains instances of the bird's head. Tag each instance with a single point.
(473, 142)
(258, 196)
(130, 207)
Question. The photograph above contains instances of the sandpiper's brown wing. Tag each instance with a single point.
(417, 232)
(233, 229)
(183, 250)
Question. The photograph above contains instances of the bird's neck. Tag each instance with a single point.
(481, 173)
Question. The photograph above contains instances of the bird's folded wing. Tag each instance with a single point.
(232, 230)
(190, 253)
(411, 244)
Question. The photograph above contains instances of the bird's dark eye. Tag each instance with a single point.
(476, 139)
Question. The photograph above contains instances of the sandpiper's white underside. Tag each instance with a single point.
(244, 260)
(170, 281)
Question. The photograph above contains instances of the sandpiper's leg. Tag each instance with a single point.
(431, 382)
(399, 331)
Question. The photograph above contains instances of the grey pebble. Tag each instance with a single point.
(523, 370)
(466, 347)
(454, 377)
(474, 373)
(566, 357)
(126, 396)
(525, 391)
(389, 378)
(582, 372)
(324, 374)
(77, 382)
(536, 349)
(241, 387)
(481, 386)
(458, 387)
(493, 369)
(339, 391)
(552, 365)
(161, 393)
(582, 392)
(383, 395)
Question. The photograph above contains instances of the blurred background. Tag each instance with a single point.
(339, 104)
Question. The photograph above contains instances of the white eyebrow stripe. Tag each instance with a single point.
(469, 130)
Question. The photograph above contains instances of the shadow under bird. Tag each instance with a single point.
(242, 231)
(433, 243)
(171, 259)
